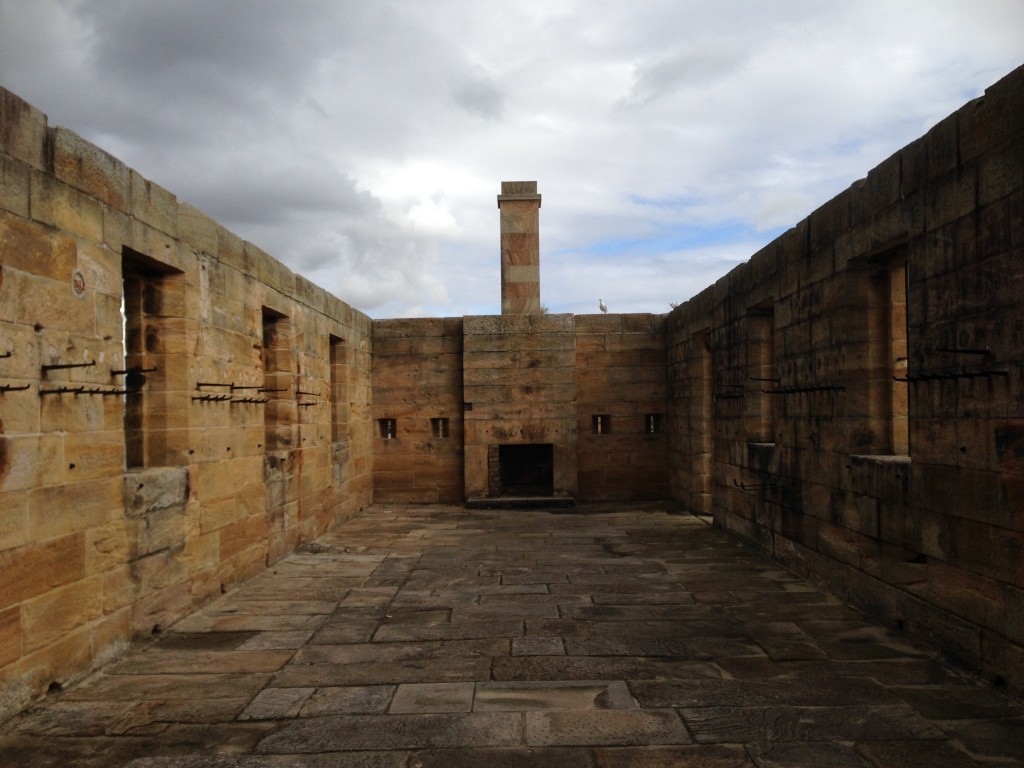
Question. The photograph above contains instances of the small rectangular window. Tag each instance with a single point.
(602, 424)
(388, 428)
(652, 423)
(439, 427)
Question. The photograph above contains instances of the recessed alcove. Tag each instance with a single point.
(526, 470)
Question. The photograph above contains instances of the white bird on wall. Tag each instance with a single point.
(601, 305)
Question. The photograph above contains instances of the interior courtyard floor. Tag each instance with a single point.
(604, 636)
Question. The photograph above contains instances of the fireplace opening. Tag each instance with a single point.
(526, 470)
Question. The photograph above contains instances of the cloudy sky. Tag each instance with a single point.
(363, 142)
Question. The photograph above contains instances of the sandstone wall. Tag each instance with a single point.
(621, 406)
(417, 383)
(851, 399)
(520, 380)
(519, 383)
(135, 481)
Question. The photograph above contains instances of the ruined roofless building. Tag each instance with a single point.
(849, 399)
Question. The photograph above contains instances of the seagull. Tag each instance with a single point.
(601, 305)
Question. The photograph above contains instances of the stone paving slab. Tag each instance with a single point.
(535, 696)
(398, 731)
(615, 636)
(411, 698)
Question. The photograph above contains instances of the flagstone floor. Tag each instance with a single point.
(602, 637)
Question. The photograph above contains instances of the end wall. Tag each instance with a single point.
(417, 386)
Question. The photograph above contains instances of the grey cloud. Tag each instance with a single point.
(697, 67)
(477, 93)
(321, 129)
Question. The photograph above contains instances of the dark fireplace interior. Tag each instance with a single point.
(526, 470)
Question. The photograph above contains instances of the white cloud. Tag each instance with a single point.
(364, 143)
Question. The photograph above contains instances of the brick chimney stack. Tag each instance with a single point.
(519, 204)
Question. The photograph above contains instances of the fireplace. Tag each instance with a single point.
(525, 470)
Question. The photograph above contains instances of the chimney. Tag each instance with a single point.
(519, 204)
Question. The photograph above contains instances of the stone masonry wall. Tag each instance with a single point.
(144, 464)
(852, 398)
(519, 383)
(621, 381)
(417, 382)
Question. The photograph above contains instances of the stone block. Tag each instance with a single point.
(516, 222)
(218, 479)
(603, 323)
(520, 257)
(31, 461)
(309, 294)
(92, 455)
(198, 230)
(985, 549)
(942, 146)
(37, 250)
(950, 197)
(58, 205)
(110, 635)
(41, 566)
(61, 510)
(880, 190)
(618, 727)
(636, 341)
(157, 610)
(14, 530)
(55, 614)
(50, 304)
(493, 326)
(14, 187)
(20, 409)
(201, 552)
(382, 732)
(914, 167)
(86, 167)
(10, 635)
(1000, 172)
(24, 129)
(413, 698)
(60, 662)
(995, 118)
(159, 570)
(108, 547)
(270, 272)
(241, 534)
(977, 599)
(153, 205)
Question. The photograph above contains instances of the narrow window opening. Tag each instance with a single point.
(439, 427)
(339, 389)
(898, 355)
(276, 352)
(388, 428)
(652, 423)
(133, 334)
(601, 424)
(884, 375)
(147, 298)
